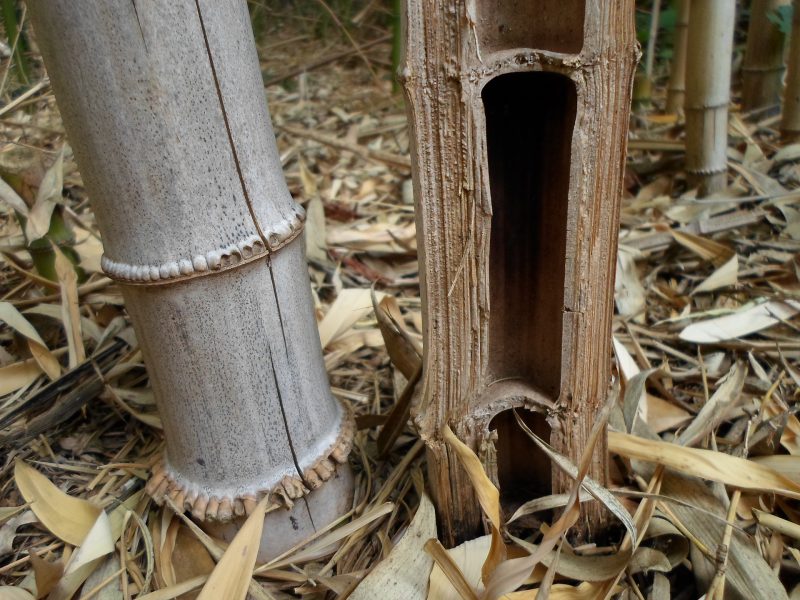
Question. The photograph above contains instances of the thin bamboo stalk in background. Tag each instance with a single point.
(676, 89)
(643, 81)
(762, 72)
(790, 124)
(708, 81)
(164, 106)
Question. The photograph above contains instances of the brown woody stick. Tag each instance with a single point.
(519, 114)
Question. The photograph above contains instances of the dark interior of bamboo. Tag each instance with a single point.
(523, 470)
(529, 121)
(555, 25)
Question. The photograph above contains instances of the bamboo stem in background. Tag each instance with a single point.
(643, 81)
(708, 80)
(790, 124)
(762, 72)
(519, 114)
(676, 89)
(164, 106)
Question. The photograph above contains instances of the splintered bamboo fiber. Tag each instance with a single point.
(762, 71)
(708, 80)
(519, 114)
(790, 124)
(676, 88)
(164, 106)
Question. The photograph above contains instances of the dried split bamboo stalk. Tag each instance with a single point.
(676, 89)
(762, 72)
(519, 114)
(708, 81)
(790, 124)
(164, 106)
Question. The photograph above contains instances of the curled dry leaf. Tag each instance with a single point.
(488, 496)
(45, 359)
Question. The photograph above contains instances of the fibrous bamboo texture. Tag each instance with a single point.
(790, 123)
(708, 80)
(762, 71)
(164, 105)
(519, 114)
(676, 88)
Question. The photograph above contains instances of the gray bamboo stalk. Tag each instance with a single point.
(519, 114)
(762, 71)
(676, 88)
(790, 123)
(708, 79)
(164, 106)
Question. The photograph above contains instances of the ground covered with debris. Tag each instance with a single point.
(703, 432)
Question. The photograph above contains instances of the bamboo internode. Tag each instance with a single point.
(708, 80)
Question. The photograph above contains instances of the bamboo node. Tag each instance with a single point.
(164, 484)
(217, 260)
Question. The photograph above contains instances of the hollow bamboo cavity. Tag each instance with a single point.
(164, 106)
(676, 88)
(762, 71)
(790, 123)
(519, 114)
(708, 80)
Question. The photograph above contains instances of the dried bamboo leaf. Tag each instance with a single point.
(706, 464)
(448, 567)
(70, 308)
(14, 593)
(14, 319)
(488, 497)
(68, 518)
(404, 574)
(468, 559)
(231, 578)
(724, 399)
(747, 320)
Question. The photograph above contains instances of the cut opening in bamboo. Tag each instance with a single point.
(555, 25)
(522, 469)
(529, 121)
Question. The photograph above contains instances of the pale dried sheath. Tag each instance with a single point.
(790, 124)
(519, 114)
(762, 71)
(708, 80)
(165, 109)
(676, 88)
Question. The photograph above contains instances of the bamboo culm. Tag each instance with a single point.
(790, 123)
(762, 71)
(676, 88)
(519, 114)
(164, 105)
(708, 80)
